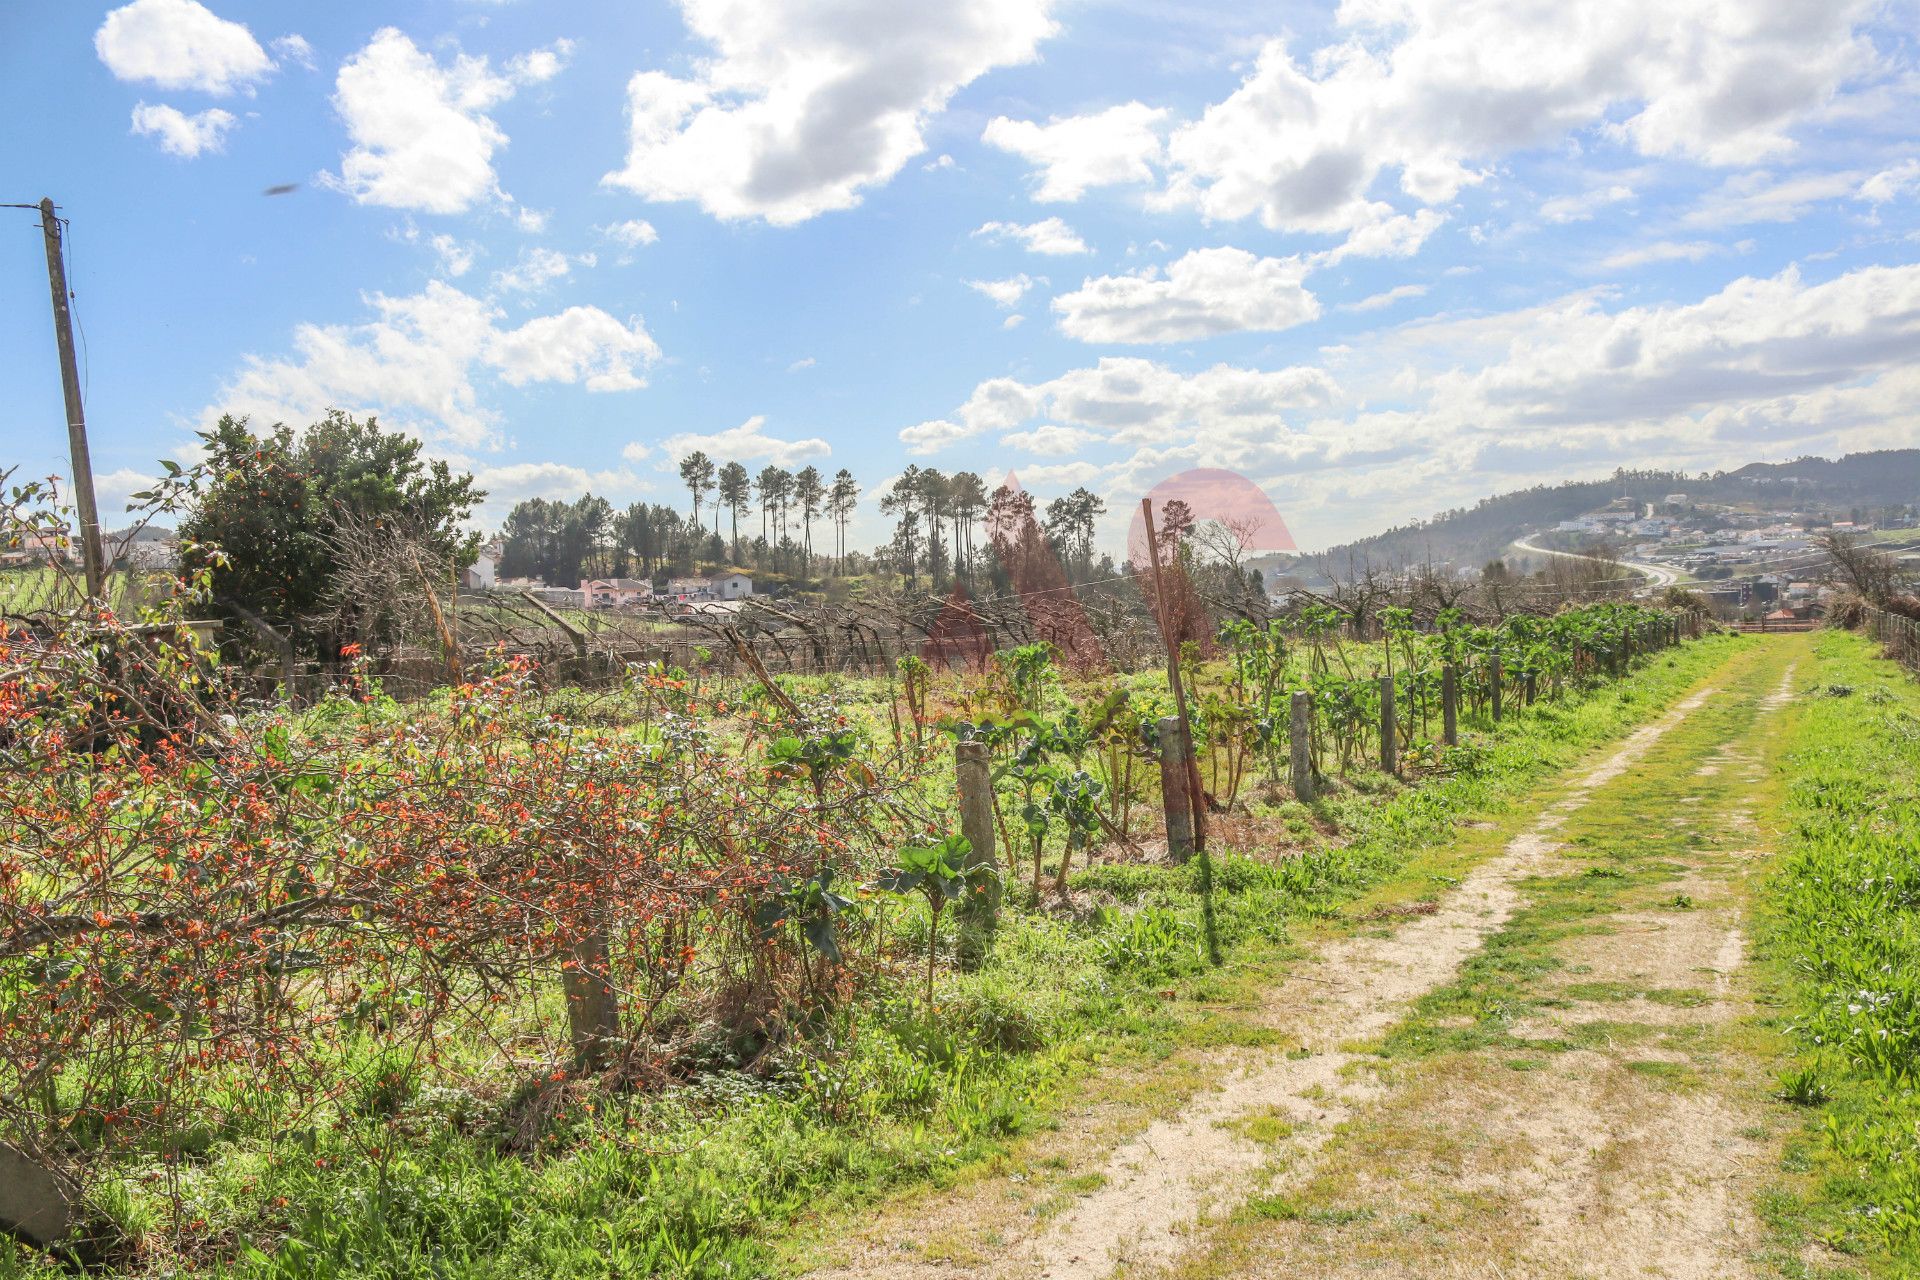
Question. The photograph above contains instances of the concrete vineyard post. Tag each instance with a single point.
(1529, 685)
(1175, 791)
(1300, 740)
(1493, 674)
(1449, 706)
(980, 910)
(593, 1008)
(1388, 754)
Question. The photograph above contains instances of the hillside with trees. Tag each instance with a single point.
(1859, 485)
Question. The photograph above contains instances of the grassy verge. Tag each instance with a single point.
(707, 1180)
(1841, 941)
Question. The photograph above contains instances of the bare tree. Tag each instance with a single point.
(1874, 576)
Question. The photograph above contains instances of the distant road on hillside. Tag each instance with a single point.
(1655, 575)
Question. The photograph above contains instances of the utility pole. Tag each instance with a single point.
(76, 412)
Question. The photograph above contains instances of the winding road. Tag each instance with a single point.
(1656, 576)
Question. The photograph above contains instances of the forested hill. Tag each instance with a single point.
(1476, 534)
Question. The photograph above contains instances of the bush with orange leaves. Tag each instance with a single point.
(215, 918)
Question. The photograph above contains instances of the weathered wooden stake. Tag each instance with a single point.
(1449, 706)
(1300, 739)
(1493, 673)
(1389, 746)
(1176, 795)
(593, 1008)
(979, 911)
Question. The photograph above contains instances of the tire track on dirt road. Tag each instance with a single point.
(1155, 1188)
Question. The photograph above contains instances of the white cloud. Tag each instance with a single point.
(1661, 251)
(1891, 184)
(455, 258)
(804, 362)
(804, 106)
(296, 49)
(1381, 235)
(531, 221)
(418, 358)
(1006, 294)
(180, 44)
(631, 234)
(1379, 301)
(181, 134)
(1073, 153)
(537, 66)
(422, 138)
(1761, 197)
(636, 451)
(924, 438)
(538, 267)
(1134, 401)
(1013, 322)
(579, 345)
(1048, 236)
(1206, 293)
(1433, 89)
(1580, 208)
(1049, 441)
(747, 442)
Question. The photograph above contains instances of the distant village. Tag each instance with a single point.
(720, 593)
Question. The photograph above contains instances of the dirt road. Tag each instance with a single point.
(1546, 1076)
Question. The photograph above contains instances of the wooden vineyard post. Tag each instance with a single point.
(1176, 796)
(593, 1008)
(1196, 794)
(979, 911)
(1389, 762)
(1493, 674)
(1300, 740)
(1449, 706)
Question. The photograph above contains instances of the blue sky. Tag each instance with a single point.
(1383, 257)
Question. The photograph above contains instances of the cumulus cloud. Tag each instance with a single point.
(748, 442)
(580, 345)
(538, 267)
(422, 138)
(1047, 236)
(1006, 294)
(803, 106)
(1432, 91)
(1049, 441)
(1073, 153)
(1203, 294)
(1132, 401)
(420, 358)
(180, 134)
(180, 44)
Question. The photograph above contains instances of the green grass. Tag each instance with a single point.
(710, 1180)
(1841, 941)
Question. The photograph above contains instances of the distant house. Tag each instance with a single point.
(41, 544)
(688, 588)
(730, 586)
(480, 575)
(615, 593)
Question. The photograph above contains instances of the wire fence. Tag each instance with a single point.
(1899, 635)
